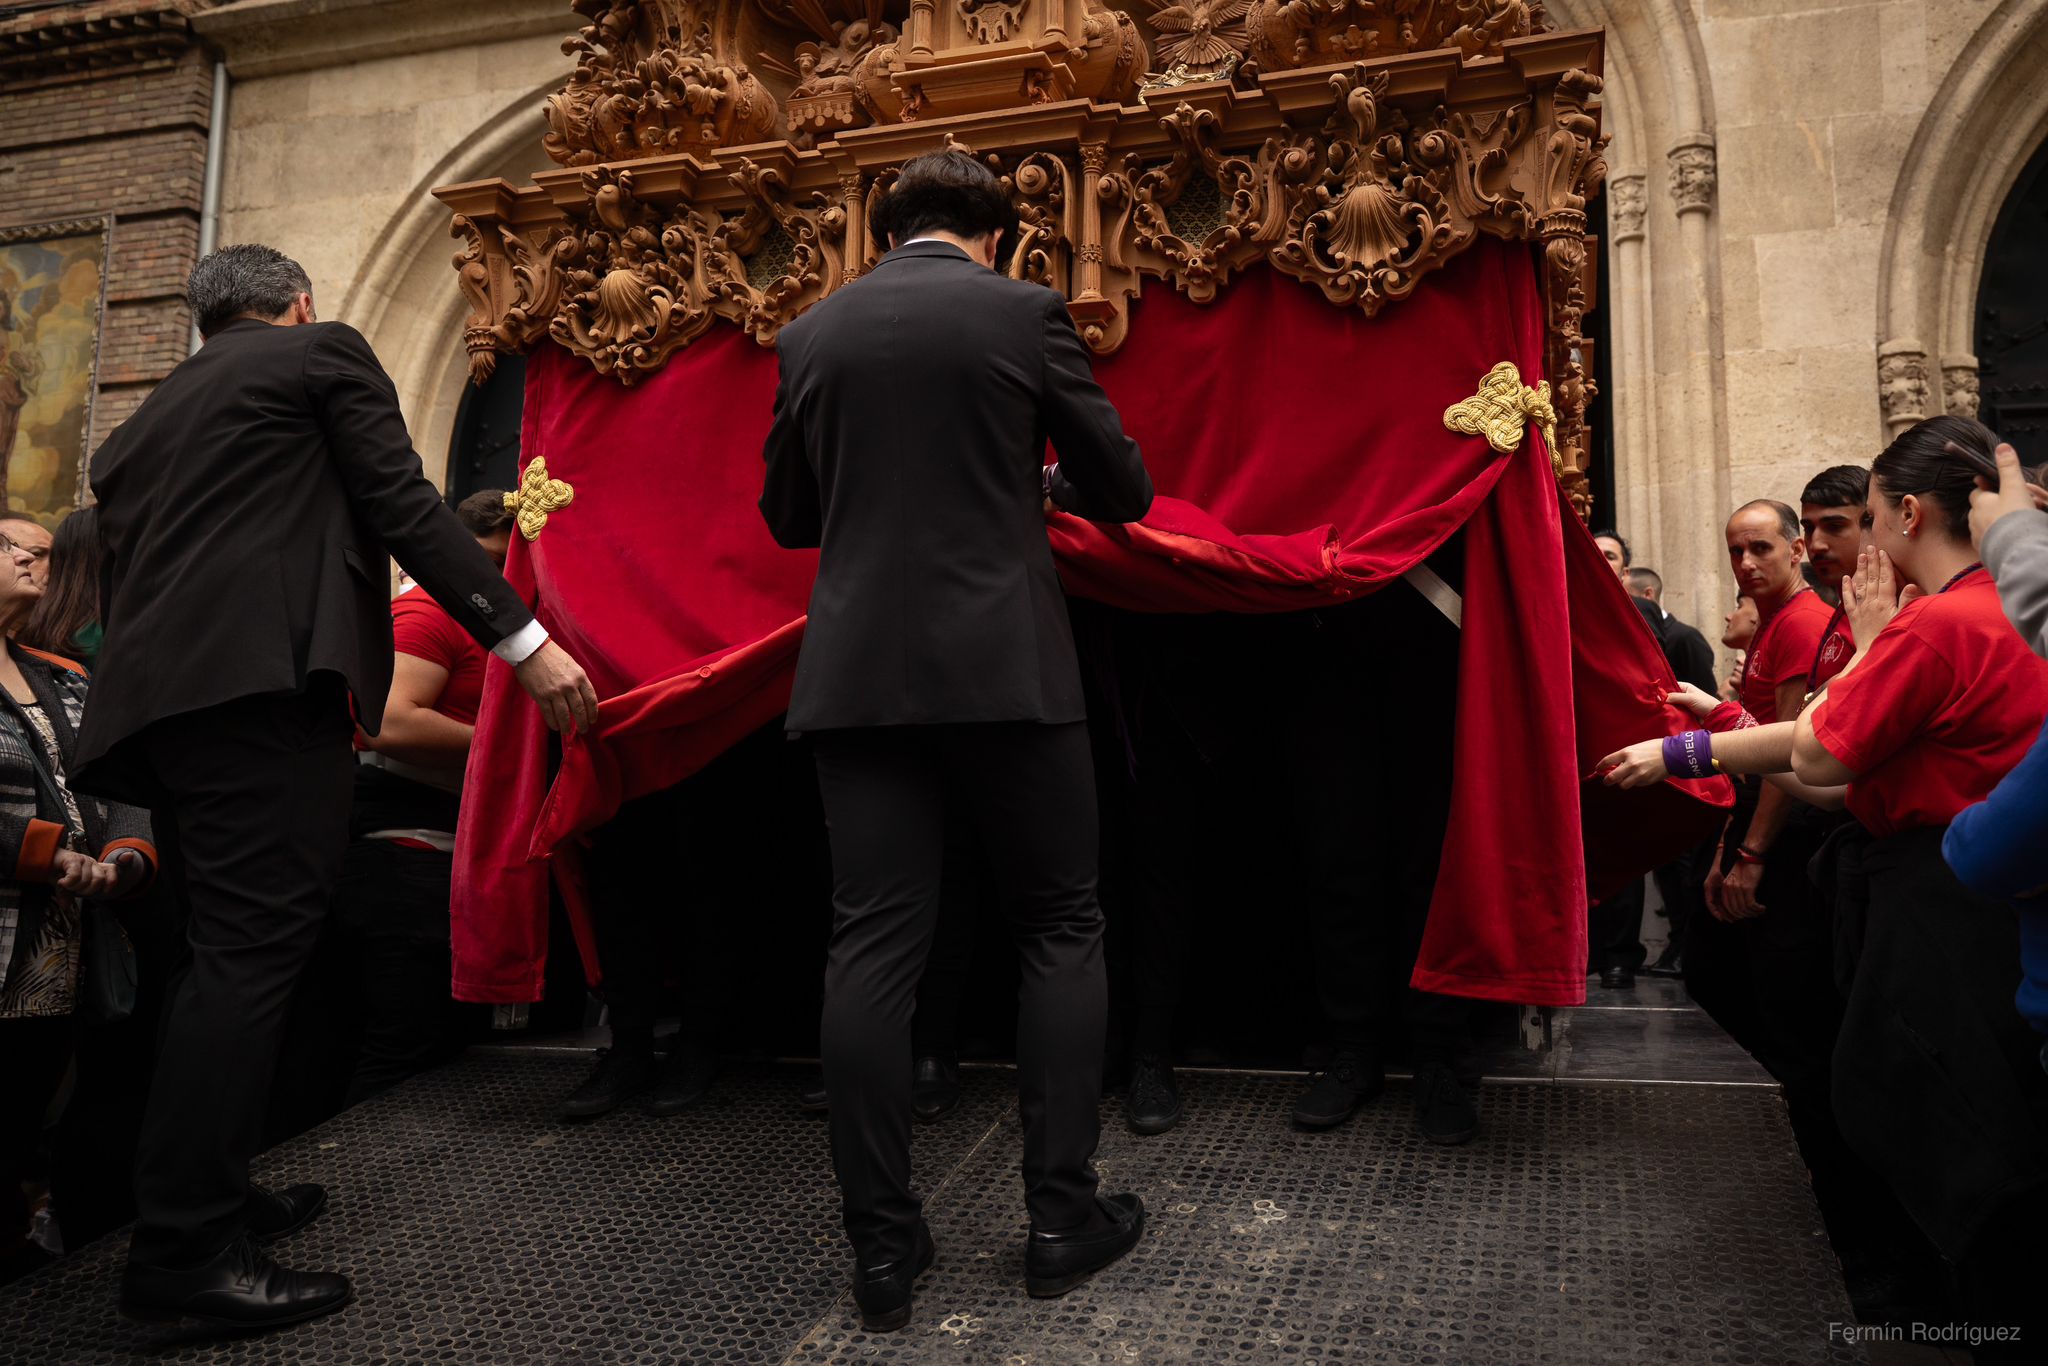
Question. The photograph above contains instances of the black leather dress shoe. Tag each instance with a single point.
(934, 1089)
(241, 1290)
(883, 1291)
(1667, 965)
(1339, 1089)
(812, 1097)
(685, 1080)
(617, 1078)
(1055, 1263)
(1152, 1105)
(272, 1215)
(1617, 979)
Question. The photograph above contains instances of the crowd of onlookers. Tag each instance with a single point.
(87, 937)
(1864, 922)
(1867, 922)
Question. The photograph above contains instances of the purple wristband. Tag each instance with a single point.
(1690, 755)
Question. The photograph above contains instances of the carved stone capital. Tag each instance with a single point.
(1902, 389)
(1693, 174)
(1628, 203)
(1959, 385)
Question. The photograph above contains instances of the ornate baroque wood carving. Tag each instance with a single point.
(691, 191)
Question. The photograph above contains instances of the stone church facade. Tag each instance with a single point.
(1801, 207)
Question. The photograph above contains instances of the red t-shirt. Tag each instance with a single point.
(1784, 651)
(422, 628)
(1946, 702)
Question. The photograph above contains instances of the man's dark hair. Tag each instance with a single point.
(1918, 462)
(941, 192)
(484, 512)
(1837, 486)
(1615, 536)
(249, 278)
(1788, 520)
(1647, 578)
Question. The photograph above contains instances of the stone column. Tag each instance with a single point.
(1634, 386)
(1703, 454)
(1902, 387)
(1959, 385)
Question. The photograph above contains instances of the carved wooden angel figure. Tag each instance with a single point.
(1202, 37)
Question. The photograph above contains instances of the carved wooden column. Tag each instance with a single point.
(856, 225)
(1094, 157)
(1571, 169)
(922, 15)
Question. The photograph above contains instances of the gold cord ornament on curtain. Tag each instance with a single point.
(536, 497)
(1502, 407)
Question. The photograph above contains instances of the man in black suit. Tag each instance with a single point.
(1680, 881)
(938, 673)
(1687, 651)
(246, 510)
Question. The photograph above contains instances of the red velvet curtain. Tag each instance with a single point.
(1301, 458)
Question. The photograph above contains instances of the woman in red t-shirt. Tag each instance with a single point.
(1937, 1083)
(1936, 1078)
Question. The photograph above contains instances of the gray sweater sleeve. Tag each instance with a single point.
(2015, 550)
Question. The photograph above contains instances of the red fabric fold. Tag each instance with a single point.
(1301, 458)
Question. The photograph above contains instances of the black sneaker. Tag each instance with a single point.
(685, 1080)
(1152, 1105)
(1443, 1107)
(1339, 1089)
(617, 1078)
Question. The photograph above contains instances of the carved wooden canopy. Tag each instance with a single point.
(717, 157)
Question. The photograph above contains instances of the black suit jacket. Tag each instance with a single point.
(1685, 649)
(908, 444)
(245, 511)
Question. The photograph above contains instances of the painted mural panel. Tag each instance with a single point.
(50, 295)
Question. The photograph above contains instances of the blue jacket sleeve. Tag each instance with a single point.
(2000, 846)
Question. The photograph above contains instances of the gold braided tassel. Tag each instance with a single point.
(1502, 407)
(536, 497)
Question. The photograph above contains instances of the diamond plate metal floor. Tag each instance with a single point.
(1587, 1224)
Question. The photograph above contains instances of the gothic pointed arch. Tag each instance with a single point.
(1977, 137)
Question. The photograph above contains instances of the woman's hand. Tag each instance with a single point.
(1871, 596)
(1639, 765)
(83, 875)
(1698, 701)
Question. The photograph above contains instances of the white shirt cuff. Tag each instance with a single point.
(515, 648)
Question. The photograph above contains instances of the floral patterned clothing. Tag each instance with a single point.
(41, 926)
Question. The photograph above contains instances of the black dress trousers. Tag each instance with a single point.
(1026, 790)
(254, 818)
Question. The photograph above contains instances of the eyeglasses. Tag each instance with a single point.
(35, 552)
